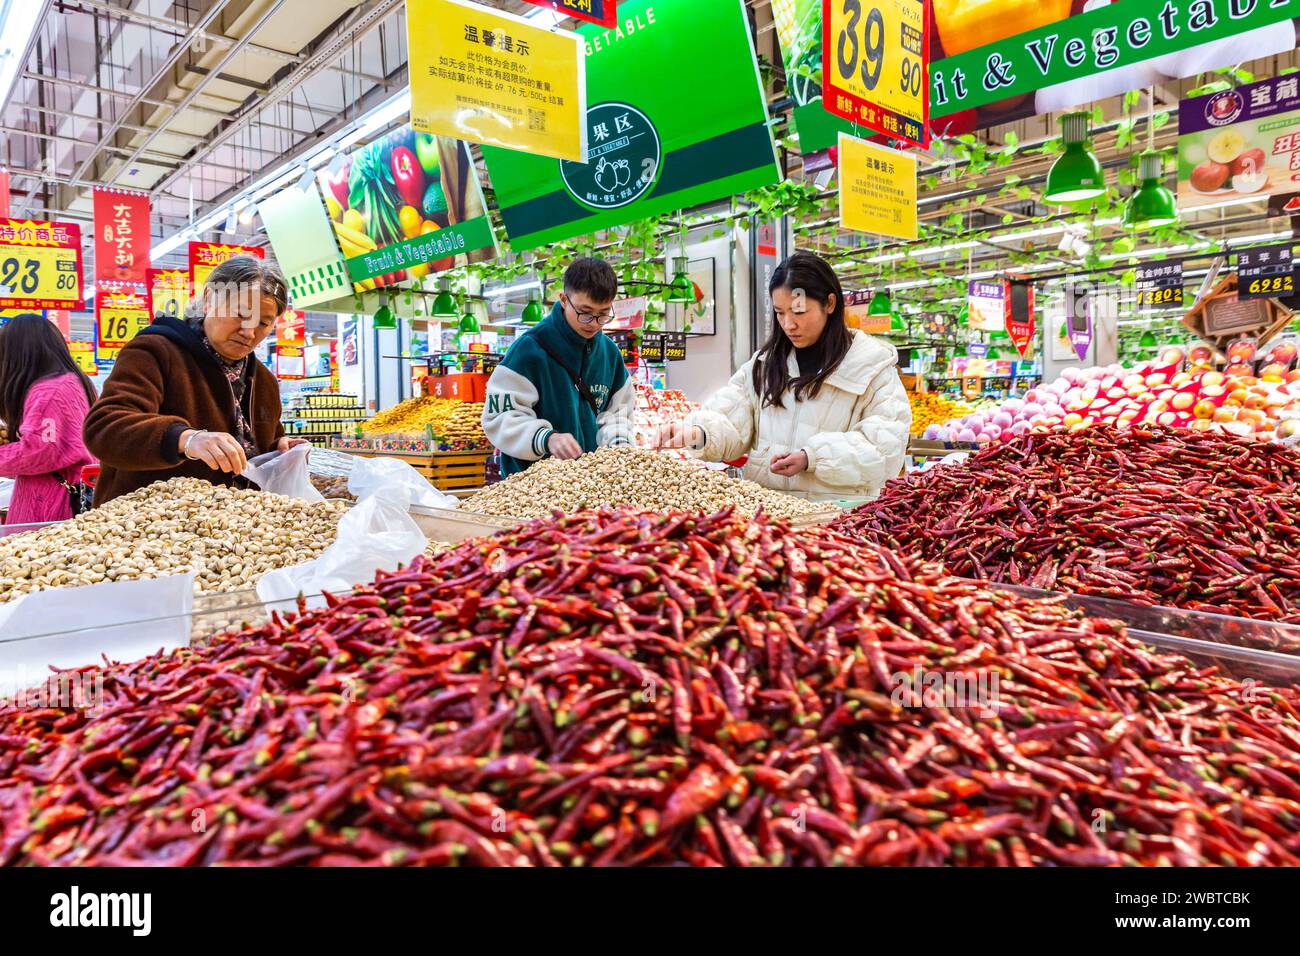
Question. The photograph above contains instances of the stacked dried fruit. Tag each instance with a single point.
(1149, 514)
(228, 538)
(456, 423)
(632, 477)
(631, 688)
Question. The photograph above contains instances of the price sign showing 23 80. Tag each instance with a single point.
(875, 59)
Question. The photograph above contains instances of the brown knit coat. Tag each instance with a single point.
(163, 383)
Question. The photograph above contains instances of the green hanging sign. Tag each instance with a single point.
(676, 118)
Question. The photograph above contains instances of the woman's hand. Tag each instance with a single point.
(789, 464)
(679, 435)
(217, 450)
(286, 442)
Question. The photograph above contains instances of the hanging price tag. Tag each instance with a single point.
(1265, 272)
(119, 317)
(40, 265)
(675, 346)
(875, 59)
(1160, 285)
(652, 347)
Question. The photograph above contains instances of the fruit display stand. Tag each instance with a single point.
(320, 416)
(445, 470)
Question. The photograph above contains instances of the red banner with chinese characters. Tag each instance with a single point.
(593, 11)
(206, 256)
(121, 235)
(40, 265)
(291, 328)
(1020, 313)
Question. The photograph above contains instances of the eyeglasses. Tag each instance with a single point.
(590, 318)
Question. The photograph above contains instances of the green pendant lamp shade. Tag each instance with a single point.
(1148, 340)
(444, 305)
(384, 318)
(1076, 176)
(681, 291)
(993, 354)
(896, 323)
(468, 324)
(1152, 204)
(963, 316)
(880, 304)
(533, 313)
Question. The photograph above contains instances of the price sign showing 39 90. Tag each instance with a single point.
(875, 66)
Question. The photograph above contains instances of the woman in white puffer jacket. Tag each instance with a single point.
(820, 410)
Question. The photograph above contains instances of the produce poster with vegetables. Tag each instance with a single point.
(40, 265)
(1237, 142)
(677, 117)
(405, 206)
(485, 76)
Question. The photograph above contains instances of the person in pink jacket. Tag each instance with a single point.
(44, 399)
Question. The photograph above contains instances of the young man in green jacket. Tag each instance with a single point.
(562, 389)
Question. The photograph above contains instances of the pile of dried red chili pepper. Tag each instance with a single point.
(630, 688)
(1154, 515)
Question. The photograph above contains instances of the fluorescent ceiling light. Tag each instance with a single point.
(520, 287)
(1260, 237)
(891, 257)
(547, 15)
(18, 22)
(1234, 201)
(939, 250)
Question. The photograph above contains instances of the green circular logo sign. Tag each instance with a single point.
(623, 158)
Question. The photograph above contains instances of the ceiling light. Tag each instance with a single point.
(896, 323)
(248, 214)
(1076, 176)
(1152, 205)
(533, 313)
(1148, 340)
(444, 304)
(469, 324)
(384, 318)
(681, 291)
(880, 304)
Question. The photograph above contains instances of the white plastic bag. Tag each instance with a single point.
(395, 479)
(284, 473)
(376, 534)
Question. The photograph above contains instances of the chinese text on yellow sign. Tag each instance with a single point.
(877, 189)
(481, 75)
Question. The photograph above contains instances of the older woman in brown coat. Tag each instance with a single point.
(187, 397)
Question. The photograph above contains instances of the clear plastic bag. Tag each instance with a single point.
(376, 534)
(284, 473)
(396, 479)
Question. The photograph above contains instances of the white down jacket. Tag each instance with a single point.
(854, 432)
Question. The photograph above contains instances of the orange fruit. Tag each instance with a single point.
(410, 219)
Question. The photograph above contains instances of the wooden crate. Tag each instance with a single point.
(446, 470)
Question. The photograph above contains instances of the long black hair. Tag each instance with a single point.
(813, 276)
(31, 349)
